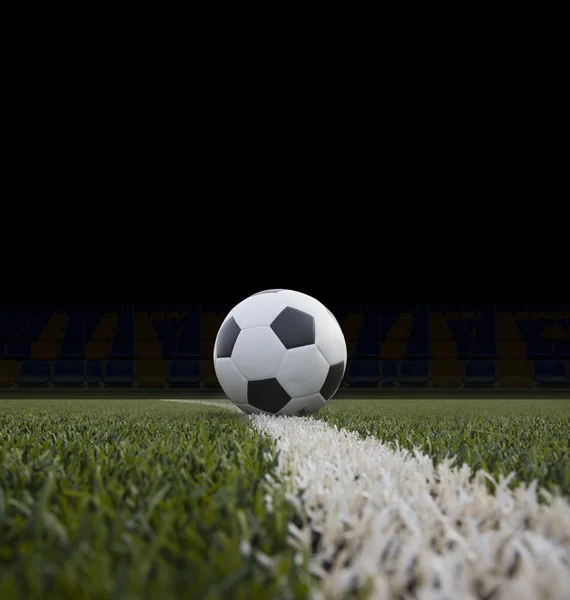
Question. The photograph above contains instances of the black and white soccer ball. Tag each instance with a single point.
(280, 352)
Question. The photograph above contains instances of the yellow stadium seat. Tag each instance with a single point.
(392, 350)
(151, 373)
(512, 349)
(516, 373)
(210, 378)
(45, 350)
(446, 373)
(444, 349)
(146, 349)
(97, 350)
(9, 370)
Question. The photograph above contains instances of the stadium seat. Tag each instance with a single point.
(45, 350)
(446, 373)
(539, 349)
(512, 349)
(19, 350)
(479, 373)
(363, 373)
(118, 373)
(551, 373)
(188, 348)
(414, 373)
(93, 372)
(122, 348)
(482, 349)
(464, 349)
(35, 373)
(389, 369)
(392, 350)
(443, 349)
(68, 372)
(562, 349)
(184, 373)
(9, 370)
(151, 373)
(417, 349)
(97, 349)
(147, 348)
(516, 373)
(72, 348)
(210, 377)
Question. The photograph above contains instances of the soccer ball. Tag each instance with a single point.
(280, 352)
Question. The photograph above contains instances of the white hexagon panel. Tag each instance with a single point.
(280, 352)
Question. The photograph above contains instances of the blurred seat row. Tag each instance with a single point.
(158, 373)
(415, 332)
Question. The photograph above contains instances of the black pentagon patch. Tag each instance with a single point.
(332, 382)
(227, 337)
(268, 292)
(294, 328)
(302, 413)
(267, 395)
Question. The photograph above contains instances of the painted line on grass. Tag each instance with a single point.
(227, 405)
(388, 517)
(372, 514)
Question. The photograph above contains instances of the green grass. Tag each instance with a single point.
(529, 437)
(138, 499)
(129, 499)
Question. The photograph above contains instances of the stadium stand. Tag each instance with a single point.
(551, 373)
(9, 371)
(393, 346)
(93, 373)
(35, 373)
(69, 373)
(389, 370)
(479, 373)
(184, 373)
(363, 373)
(351, 329)
(156, 347)
(414, 373)
(446, 373)
(118, 373)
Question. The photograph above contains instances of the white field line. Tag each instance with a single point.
(374, 513)
(227, 405)
(371, 513)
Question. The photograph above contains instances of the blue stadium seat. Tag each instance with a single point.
(459, 331)
(464, 349)
(169, 348)
(529, 330)
(93, 372)
(369, 338)
(551, 373)
(414, 373)
(35, 373)
(417, 349)
(539, 349)
(68, 372)
(72, 348)
(389, 372)
(562, 349)
(18, 350)
(483, 348)
(184, 373)
(420, 327)
(363, 373)
(188, 347)
(122, 348)
(479, 373)
(118, 372)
